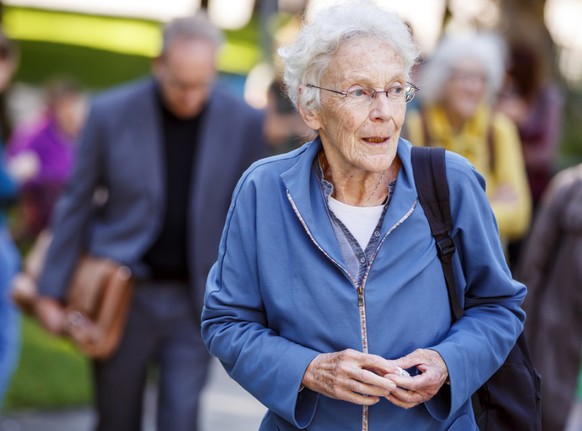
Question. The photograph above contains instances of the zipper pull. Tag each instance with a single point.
(360, 291)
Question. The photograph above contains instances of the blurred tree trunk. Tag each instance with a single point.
(521, 19)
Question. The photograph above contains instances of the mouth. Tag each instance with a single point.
(376, 139)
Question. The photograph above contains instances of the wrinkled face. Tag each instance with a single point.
(360, 137)
(186, 72)
(466, 88)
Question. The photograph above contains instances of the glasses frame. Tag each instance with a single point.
(375, 92)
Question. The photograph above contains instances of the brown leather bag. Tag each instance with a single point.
(98, 298)
(97, 305)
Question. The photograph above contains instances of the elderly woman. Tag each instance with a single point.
(459, 84)
(328, 288)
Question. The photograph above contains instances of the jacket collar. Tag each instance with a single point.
(303, 188)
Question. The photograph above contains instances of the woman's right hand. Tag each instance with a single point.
(51, 315)
(350, 376)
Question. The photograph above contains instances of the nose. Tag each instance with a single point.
(381, 108)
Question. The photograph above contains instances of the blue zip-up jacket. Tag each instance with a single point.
(279, 295)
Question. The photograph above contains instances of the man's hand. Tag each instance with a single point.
(351, 376)
(51, 315)
(417, 389)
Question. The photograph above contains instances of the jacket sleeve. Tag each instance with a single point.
(513, 215)
(73, 211)
(235, 325)
(479, 342)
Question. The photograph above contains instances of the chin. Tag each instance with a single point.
(379, 163)
(186, 113)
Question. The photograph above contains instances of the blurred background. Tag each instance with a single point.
(105, 42)
(101, 43)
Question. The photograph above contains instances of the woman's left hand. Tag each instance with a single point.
(416, 389)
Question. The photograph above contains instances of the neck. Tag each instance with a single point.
(359, 188)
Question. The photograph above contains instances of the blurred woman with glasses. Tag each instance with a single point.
(328, 301)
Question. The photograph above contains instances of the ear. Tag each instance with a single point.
(157, 65)
(309, 115)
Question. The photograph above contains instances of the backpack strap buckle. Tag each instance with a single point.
(445, 245)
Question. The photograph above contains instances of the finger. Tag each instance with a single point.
(398, 402)
(376, 364)
(375, 381)
(409, 361)
(361, 400)
(357, 393)
(382, 388)
(406, 398)
(407, 382)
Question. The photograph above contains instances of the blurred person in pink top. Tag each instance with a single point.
(48, 142)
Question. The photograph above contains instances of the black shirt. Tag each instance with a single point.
(167, 258)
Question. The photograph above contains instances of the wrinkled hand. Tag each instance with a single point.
(51, 315)
(82, 330)
(414, 390)
(350, 376)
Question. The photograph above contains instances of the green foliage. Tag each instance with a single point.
(51, 373)
(105, 51)
(95, 68)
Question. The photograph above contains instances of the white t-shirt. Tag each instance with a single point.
(360, 221)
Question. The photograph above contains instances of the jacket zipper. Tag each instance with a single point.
(359, 288)
(362, 302)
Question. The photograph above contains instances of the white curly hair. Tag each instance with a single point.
(307, 59)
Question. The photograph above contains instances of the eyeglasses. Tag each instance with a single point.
(468, 77)
(359, 95)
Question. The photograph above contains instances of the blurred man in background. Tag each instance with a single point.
(165, 154)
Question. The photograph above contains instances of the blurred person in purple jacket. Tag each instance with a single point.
(49, 142)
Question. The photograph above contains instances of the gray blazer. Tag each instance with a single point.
(113, 205)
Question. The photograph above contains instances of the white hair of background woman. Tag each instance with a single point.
(488, 49)
(307, 59)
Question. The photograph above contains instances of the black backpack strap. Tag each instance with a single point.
(430, 176)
